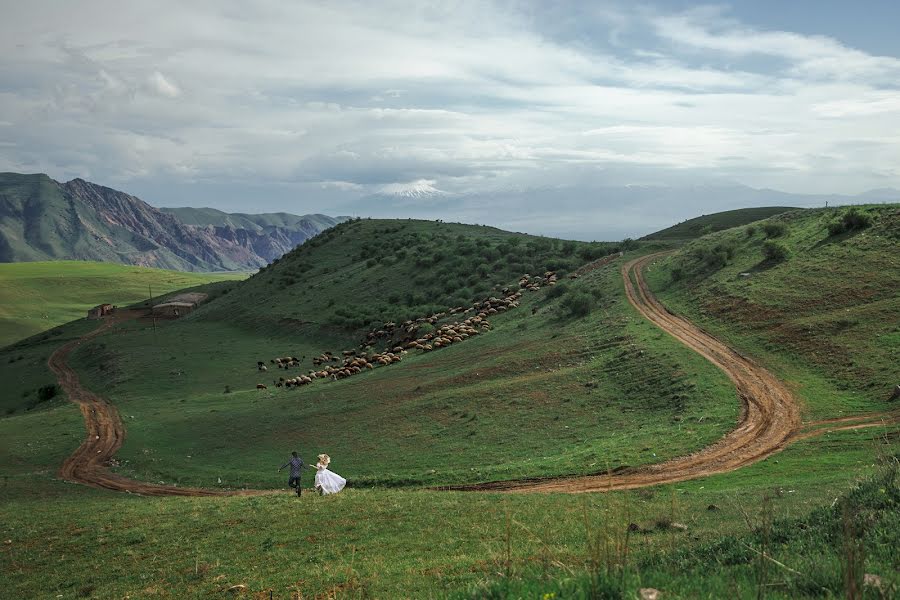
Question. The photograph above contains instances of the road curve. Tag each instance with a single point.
(105, 432)
(769, 419)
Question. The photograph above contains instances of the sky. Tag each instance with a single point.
(593, 120)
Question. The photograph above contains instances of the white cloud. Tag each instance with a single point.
(162, 86)
(354, 98)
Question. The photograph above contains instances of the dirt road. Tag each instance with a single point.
(768, 422)
(105, 431)
(769, 419)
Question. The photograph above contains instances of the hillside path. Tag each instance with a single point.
(769, 419)
(768, 422)
(89, 464)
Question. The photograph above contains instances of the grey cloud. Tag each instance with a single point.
(492, 102)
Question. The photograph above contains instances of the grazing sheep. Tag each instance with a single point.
(262, 368)
(261, 386)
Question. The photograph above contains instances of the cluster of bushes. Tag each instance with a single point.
(774, 230)
(575, 302)
(713, 258)
(851, 220)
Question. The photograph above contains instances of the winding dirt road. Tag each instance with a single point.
(89, 464)
(768, 422)
(769, 419)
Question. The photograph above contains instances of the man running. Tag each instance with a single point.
(296, 465)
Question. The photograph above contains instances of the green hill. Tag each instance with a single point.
(700, 226)
(820, 303)
(571, 381)
(534, 395)
(37, 296)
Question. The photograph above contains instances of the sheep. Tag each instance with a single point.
(262, 368)
(261, 386)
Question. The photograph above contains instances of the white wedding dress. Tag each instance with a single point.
(327, 481)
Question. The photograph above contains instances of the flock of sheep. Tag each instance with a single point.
(406, 337)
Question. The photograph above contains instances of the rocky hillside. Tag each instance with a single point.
(41, 219)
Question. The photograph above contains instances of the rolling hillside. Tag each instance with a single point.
(36, 296)
(700, 226)
(41, 219)
(573, 381)
(802, 291)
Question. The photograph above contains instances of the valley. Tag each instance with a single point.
(580, 388)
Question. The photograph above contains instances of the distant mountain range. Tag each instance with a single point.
(42, 219)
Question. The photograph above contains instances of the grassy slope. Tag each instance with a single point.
(409, 543)
(37, 296)
(825, 318)
(541, 394)
(699, 226)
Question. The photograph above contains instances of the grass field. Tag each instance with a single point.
(545, 392)
(37, 296)
(408, 543)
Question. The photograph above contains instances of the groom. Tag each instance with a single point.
(296, 465)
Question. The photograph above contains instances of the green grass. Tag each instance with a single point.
(825, 318)
(543, 393)
(38, 296)
(700, 226)
(540, 394)
(361, 273)
(406, 543)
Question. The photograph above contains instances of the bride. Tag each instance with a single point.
(327, 482)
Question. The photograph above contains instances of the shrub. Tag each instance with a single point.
(579, 304)
(677, 273)
(774, 252)
(47, 392)
(851, 220)
(774, 230)
(750, 231)
(557, 290)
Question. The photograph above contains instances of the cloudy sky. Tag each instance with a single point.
(533, 116)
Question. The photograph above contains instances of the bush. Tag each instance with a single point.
(774, 252)
(750, 231)
(47, 392)
(579, 304)
(774, 230)
(851, 220)
(557, 290)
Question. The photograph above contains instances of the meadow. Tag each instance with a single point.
(571, 382)
(37, 296)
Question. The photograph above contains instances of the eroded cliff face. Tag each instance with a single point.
(45, 220)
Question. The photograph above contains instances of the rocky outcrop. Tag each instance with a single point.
(41, 219)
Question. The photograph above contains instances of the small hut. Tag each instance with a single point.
(100, 311)
(173, 309)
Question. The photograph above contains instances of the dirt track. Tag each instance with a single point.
(769, 419)
(768, 422)
(105, 431)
